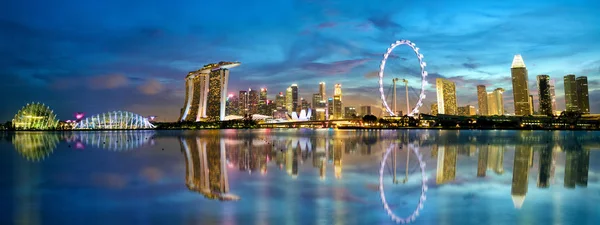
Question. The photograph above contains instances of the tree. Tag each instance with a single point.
(370, 119)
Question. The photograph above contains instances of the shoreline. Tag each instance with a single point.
(338, 128)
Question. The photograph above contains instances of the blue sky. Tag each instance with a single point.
(114, 55)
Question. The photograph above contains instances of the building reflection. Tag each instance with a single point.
(446, 161)
(206, 167)
(35, 146)
(113, 140)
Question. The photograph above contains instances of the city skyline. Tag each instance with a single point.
(136, 62)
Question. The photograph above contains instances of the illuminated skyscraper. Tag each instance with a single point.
(544, 95)
(349, 112)
(252, 101)
(295, 105)
(243, 103)
(289, 100)
(446, 164)
(520, 174)
(531, 107)
(482, 100)
(206, 92)
(446, 96)
(571, 93)
(496, 102)
(330, 108)
(280, 101)
(232, 103)
(337, 102)
(316, 99)
(583, 98)
(553, 95)
(520, 88)
(304, 104)
(322, 91)
(262, 102)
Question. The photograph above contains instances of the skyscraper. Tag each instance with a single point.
(496, 102)
(544, 95)
(289, 100)
(583, 98)
(322, 91)
(295, 106)
(232, 104)
(446, 96)
(349, 112)
(571, 93)
(482, 100)
(280, 101)
(262, 102)
(531, 107)
(434, 109)
(316, 99)
(252, 101)
(206, 92)
(337, 102)
(520, 88)
(365, 110)
(304, 105)
(553, 95)
(243, 103)
(329, 108)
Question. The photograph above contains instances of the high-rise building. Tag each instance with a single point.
(304, 104)
(349, 112)
(280, 101)
(446, 96)
(322, 91)
(531, 107)
(262, 102)
(365, 110)
(337, 102)
(482, 100)
(520, 88)
(295, 105)
(232, 104)
(243, 103)
(467, 110)
(252, 101)
(316, 99)
(583, 98)
(520, 174)
(319, 110)
(571, 93)
(496, 102)
(289, 100)
(434, 109)
(206, 92)
(553, 95)
(544, 95)
(329, 110)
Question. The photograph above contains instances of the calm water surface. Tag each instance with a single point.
(300, 176)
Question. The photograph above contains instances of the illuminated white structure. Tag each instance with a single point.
(424, 74)
(116, 120)
(121, 140)
(304, 116)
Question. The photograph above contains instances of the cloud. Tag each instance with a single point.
(338, 67)
(110, 81)
(327, 25)
(372, 75)
(471, 65)
(151, 87)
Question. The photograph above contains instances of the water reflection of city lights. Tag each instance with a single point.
(35, 146)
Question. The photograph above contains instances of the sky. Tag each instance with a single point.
(93, 57)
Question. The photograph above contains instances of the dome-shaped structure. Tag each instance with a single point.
(117, 120)
(35, 116)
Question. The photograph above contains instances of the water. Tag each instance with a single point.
(299, 176)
